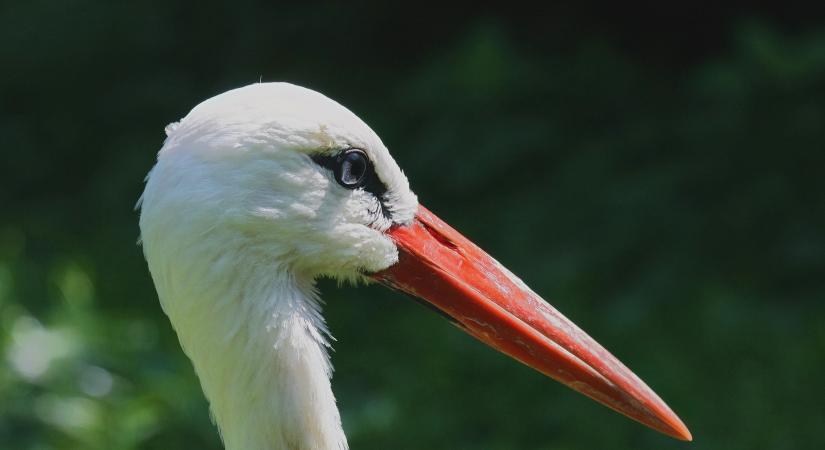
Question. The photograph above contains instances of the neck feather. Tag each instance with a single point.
(261, 355)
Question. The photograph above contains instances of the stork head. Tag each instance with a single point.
(287, 175)
(277, 179)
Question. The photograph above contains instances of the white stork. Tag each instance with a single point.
(259, 191)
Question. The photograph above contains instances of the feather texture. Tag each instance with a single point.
(237, 222)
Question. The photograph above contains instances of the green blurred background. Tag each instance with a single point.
(657, 174)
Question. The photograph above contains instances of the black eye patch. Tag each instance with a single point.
(353, 169)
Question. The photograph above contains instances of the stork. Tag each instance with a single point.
(260, 191)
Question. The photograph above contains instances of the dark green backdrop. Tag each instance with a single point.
(656, 173)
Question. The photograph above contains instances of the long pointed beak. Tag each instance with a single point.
(439, 265)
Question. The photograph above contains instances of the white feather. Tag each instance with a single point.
(236, 223)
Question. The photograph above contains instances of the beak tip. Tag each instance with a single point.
(686, 436)
(678, 430)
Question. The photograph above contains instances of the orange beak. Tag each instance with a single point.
(439, 265)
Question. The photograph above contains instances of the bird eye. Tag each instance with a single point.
(351, 169)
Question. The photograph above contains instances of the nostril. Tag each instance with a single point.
(444, 240)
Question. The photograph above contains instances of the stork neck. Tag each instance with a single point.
(267, 372)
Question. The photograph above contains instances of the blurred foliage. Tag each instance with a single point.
(661, 182)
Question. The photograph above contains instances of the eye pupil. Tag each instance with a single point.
(351, 171)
